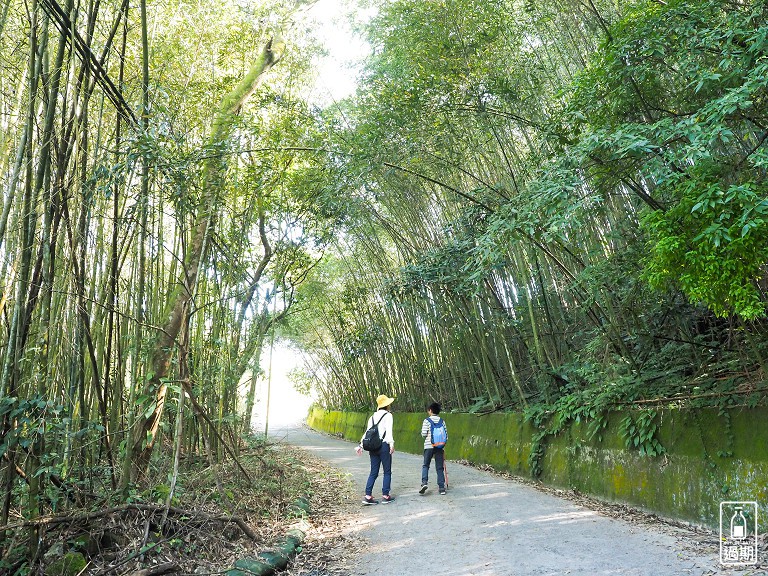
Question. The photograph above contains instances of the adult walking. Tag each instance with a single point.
(381, 458)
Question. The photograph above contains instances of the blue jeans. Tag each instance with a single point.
(439, 455)
(379, 459)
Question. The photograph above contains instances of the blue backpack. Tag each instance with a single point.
(439, 433)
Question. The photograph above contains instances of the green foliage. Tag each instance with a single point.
(71, 564)
(301, 380)
(28, 414)
(713, 244)
(683, 114)
(639, 432)
(14, 562)
(545, 180)
(37, 418)
(536, 456)
(482, 404)
(160, 493)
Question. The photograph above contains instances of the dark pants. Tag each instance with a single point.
(379, 459)
(439, 455)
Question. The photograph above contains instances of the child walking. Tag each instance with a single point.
(435, 434)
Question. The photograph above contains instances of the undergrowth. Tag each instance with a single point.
(216, 514)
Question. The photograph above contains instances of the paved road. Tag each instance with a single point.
(489, 526)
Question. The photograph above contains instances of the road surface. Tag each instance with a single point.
(491, 526)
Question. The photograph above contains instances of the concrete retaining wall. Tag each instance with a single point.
(707, 459)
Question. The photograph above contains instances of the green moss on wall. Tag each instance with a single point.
(709, 456)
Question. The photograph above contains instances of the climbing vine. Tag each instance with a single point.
(639, 432)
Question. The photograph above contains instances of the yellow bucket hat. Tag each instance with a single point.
(382, 400)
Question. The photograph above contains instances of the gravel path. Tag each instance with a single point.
(488, 525)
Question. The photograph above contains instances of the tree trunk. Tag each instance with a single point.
(213, 174)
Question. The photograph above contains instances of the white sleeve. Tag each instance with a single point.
(388, 425)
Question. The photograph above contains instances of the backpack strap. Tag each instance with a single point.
(379, 422)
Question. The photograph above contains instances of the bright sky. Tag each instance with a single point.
(338, 71)
(286, 405)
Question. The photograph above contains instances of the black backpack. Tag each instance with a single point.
(372, 441)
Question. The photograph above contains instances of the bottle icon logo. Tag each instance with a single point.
(738, 524)
(738, 533)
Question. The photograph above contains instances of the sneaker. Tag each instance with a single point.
(369, 500)
(442, 491)
(387, 499)
(423, 489)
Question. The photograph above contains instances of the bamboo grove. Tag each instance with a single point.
(551, 206)
(150, 237)
(562, 209)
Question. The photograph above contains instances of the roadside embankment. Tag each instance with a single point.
(708, 457)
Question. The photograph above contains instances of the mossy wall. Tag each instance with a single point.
(709, 457)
